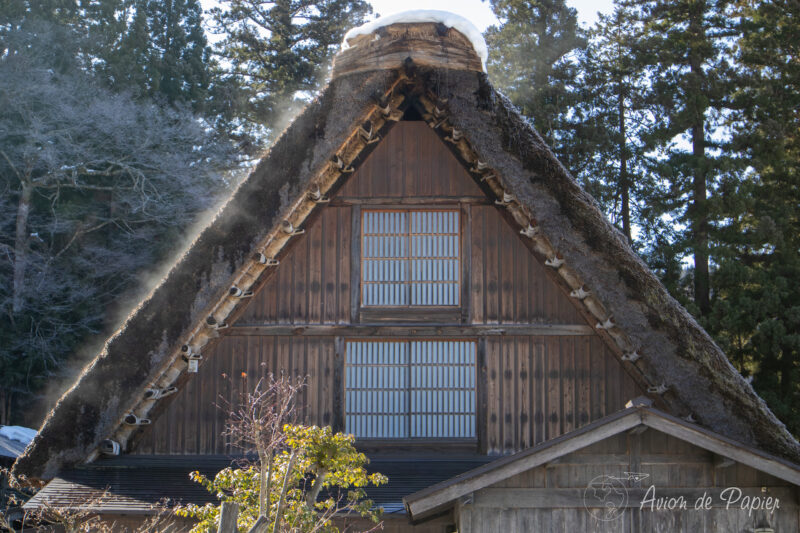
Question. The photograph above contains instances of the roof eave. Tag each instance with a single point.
(438, 498)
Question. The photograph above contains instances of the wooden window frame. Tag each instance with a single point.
(422, 441)
(434, 314)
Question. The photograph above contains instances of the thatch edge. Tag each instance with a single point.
(144, 346)
(675, 349)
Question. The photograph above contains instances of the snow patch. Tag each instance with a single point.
(451, 20)
(18, 433)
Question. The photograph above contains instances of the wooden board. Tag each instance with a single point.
(555, 493)
(538, 388)
(193, 422)
(410, 161)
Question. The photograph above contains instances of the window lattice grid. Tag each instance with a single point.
(442, 402)
(410, 258)
(418, 389)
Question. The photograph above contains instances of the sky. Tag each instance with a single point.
(476, 11)
(480, 14)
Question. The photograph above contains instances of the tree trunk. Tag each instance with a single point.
(698, 214)
(228, 514)
(21, 238)
(311, 496)
(279, 511)
(702, 283)
(265, 480)
(624, 181)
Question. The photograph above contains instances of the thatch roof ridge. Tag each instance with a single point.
(673, 349)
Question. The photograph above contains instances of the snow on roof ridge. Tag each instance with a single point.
(451, 20)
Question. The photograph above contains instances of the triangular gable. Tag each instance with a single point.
(410, 164)
(563, 382)
(419, 164)
(436, 498)
(662, 344)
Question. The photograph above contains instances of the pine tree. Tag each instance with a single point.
(274, 52)
(163, 52)
(756, 316)
(609, 117)
(149, 48)
(685, 51)
(531, 61)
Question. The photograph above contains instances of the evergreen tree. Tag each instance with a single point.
(532, 61)
(684, 48)
(274, 53)
(163, 52)
(756, 316)
(149, 48)
(609, 117)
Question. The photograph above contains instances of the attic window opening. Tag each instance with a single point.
(399, 389)
(410, 258)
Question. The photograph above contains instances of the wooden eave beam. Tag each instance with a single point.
(442, 495)
(410, 330)
(437, 497)
(722, 446)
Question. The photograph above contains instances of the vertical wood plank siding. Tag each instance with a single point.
(192, 423)
(508, 284)
(312, 284)
(541, 387)
(537, 388)
(411, 161)
(519, 503)
(530, 389)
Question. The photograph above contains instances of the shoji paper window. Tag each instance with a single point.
(410, 389)
(410, 258)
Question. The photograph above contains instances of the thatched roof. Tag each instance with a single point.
(654, 337)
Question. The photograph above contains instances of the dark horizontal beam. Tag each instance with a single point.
(406, 330)
(416, 200)
(623, 459)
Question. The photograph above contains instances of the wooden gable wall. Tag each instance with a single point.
(533, 386)
(555, 496)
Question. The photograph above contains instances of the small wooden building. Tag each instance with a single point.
(456, 300)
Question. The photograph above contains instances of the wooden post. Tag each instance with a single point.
(260, 526)
(338, 422)
(227, 517)
(355, 265)
(482, 407)
(465, 249)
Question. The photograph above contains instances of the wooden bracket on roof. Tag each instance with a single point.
(639, 401)
(631, 357)
(720, 461)
(530, 231)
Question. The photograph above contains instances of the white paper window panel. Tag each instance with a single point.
(416, 264)
(400, 389)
